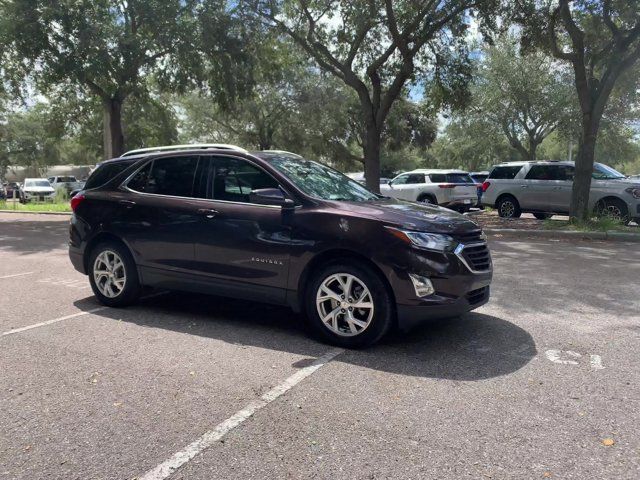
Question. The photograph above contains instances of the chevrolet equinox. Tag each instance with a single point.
(274, 227)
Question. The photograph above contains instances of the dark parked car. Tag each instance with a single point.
(12, 190)
(274, 227)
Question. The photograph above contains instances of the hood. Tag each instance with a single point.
(411, 216)
(39, 189)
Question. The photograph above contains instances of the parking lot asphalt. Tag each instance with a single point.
(543, 382)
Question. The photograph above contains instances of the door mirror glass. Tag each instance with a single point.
(269, 196)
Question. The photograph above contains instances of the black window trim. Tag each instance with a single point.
(124, 184)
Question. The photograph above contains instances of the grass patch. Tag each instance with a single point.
(36, 207)
(600, 224)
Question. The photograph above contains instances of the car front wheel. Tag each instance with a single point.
(348, 305)
(113, 275)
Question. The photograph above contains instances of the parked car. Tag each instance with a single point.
(479, 177)
(449, 188)
(68, 182)
(359, 177)
(12, 190)
(38, 189)
(276, 228)
(544, 189)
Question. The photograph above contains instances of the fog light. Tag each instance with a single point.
(422, 285)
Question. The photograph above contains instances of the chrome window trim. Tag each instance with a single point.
(124, 186)
(458, 252)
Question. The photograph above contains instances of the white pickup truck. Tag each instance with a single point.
(68, 182)
(453, 189)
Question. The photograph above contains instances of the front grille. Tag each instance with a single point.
(473, 236)
(477, 257)
(477, 296)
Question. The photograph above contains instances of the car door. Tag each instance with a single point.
(535, 189)
(242, 246)
(399, 187)
(159, 212)
(562, 185)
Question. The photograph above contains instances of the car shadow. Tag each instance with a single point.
(472, 347)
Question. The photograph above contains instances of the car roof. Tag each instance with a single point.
(535, 162)
(193, 146)
(437, 170)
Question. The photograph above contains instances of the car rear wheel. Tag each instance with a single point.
(508, 207)
(542, 216)
(428, 199)
(113, 275)
(348, 305)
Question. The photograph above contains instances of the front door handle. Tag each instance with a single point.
(208, 212)
(127, 203)
(524, 186)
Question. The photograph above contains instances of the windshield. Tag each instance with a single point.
(320, 181)
(37, 183)
(603, 172)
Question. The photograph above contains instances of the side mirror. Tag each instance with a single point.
(271, 196)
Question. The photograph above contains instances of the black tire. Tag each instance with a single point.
(508, 207)
(383, 306)
(613, 208)
(428, 199)
(130, 293)
(542, 216)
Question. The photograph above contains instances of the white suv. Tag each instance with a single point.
(544, 188)
(454, 189)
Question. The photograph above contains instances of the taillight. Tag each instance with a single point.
(485, 186)
(76, 200)
(447, 185)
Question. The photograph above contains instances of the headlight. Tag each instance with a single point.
(634, 191)
(429, 241)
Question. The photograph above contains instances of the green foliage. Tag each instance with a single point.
(526, 95)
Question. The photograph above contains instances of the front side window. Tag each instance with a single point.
(604, 172)
(234, 179)
(401, 180)
(415, 178)
(320, 181)
(173, 176)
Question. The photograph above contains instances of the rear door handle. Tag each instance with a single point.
(524, 186)
(127, 203)
(208, 212)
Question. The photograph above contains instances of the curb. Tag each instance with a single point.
(608, 235)
(29, 212)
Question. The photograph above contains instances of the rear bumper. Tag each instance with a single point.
(410, 316)
(77, 259)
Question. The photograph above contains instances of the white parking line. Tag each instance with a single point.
(166, 468)
(67, 317)
(16, 275)
(49, 322)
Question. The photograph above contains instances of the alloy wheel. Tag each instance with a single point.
(344, 304)
(109, 274)
(507, 209)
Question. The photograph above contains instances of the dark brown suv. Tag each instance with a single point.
(274, 227)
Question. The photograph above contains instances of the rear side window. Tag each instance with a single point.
(172, 176)
(550, 172)
(459, 178)
(106, 172)
(505, 173)
(438, 177)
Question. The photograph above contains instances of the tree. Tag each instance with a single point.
(527, 96)
(378, 47)
(601, 41)
(107, 48)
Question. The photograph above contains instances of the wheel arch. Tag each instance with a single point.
(610, 197)
(429, 195)
(335, 255)
(97, 239)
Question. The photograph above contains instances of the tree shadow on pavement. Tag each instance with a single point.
(472, 347)
(33, 236)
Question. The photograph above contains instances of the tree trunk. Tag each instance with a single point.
(371, 149)
(584, 169)
(113, 139)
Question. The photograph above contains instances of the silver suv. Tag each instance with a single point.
(544, 188)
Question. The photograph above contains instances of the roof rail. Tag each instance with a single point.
(282, 151)
(194, 146)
